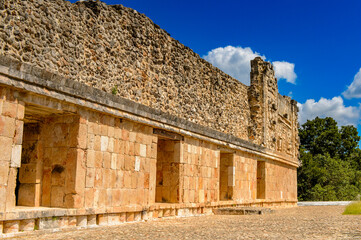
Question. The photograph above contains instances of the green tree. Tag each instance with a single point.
(330, 161)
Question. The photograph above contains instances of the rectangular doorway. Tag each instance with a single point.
(261, 180)
(227, 177)
(28, 183)
(167, 179)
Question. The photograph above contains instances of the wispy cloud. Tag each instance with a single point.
(334, 108)
(235, 61)
(354, 90)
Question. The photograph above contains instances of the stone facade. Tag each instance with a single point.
(175, 137)
(119, 50)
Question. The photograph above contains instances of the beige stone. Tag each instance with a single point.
(92, 220)
(27, 225)
(130, 217)
(11, 226)
(6, 150)
(81, 221)
(102, 219)
(90, 176)
(9, 109)
(104, 141)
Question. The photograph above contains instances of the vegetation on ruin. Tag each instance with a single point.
(330, 161)
(353, 209)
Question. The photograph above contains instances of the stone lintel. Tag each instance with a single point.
(167, 134)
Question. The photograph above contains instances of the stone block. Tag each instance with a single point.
(110, 145)
(9, 109)
(113, 219)
(103, 129)
(63, 222)
(136, 149)
(102, 219)
(90, 160)
(134, 179)
(92, 220)
(113, 164)
(27, 225)
(57, 196)
(153, 214)
(18, 135)
(104, 140)
(106, 160)
(16, 156)
(29, 194)
(72, 221)
(137, 164)
(98, 180)
(132, 136)
(11, 226)
(116, 197)
(130, 217)
(4, 172)
(7, 126)
(48, 223)
(6, 148)
(20, 111)
(98, 159)
(27, 173)
(89, 197)
(81, 221)
(166, 213)
(82, 136)
(90, 176)
(97, 143)
(10, 190)
(173, 212)
(138, 216)
(143, 150)
(123, 217)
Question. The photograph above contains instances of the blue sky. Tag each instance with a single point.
(318, 40)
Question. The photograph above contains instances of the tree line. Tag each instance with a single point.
(330, 160)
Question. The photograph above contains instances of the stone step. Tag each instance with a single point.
(242, 211)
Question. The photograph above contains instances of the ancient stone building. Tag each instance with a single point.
(105, 118)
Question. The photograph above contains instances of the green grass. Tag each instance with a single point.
(353, 209)
(115, 90)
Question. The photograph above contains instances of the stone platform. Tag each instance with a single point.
(242, 211)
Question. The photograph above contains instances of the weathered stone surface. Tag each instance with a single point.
(242, 211)
(135, 59)
(153, 151)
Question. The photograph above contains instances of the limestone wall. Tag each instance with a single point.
(11, 135)
(95, 155)
(200, 175)
(120, 50)
(123, 52)
(120, 162)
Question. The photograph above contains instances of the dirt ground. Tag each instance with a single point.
(312, 222)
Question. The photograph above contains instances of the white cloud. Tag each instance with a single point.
(354, 90)
(235, 61)
(334, 108)
(285, 70)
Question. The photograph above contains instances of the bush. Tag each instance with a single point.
(353, 209)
